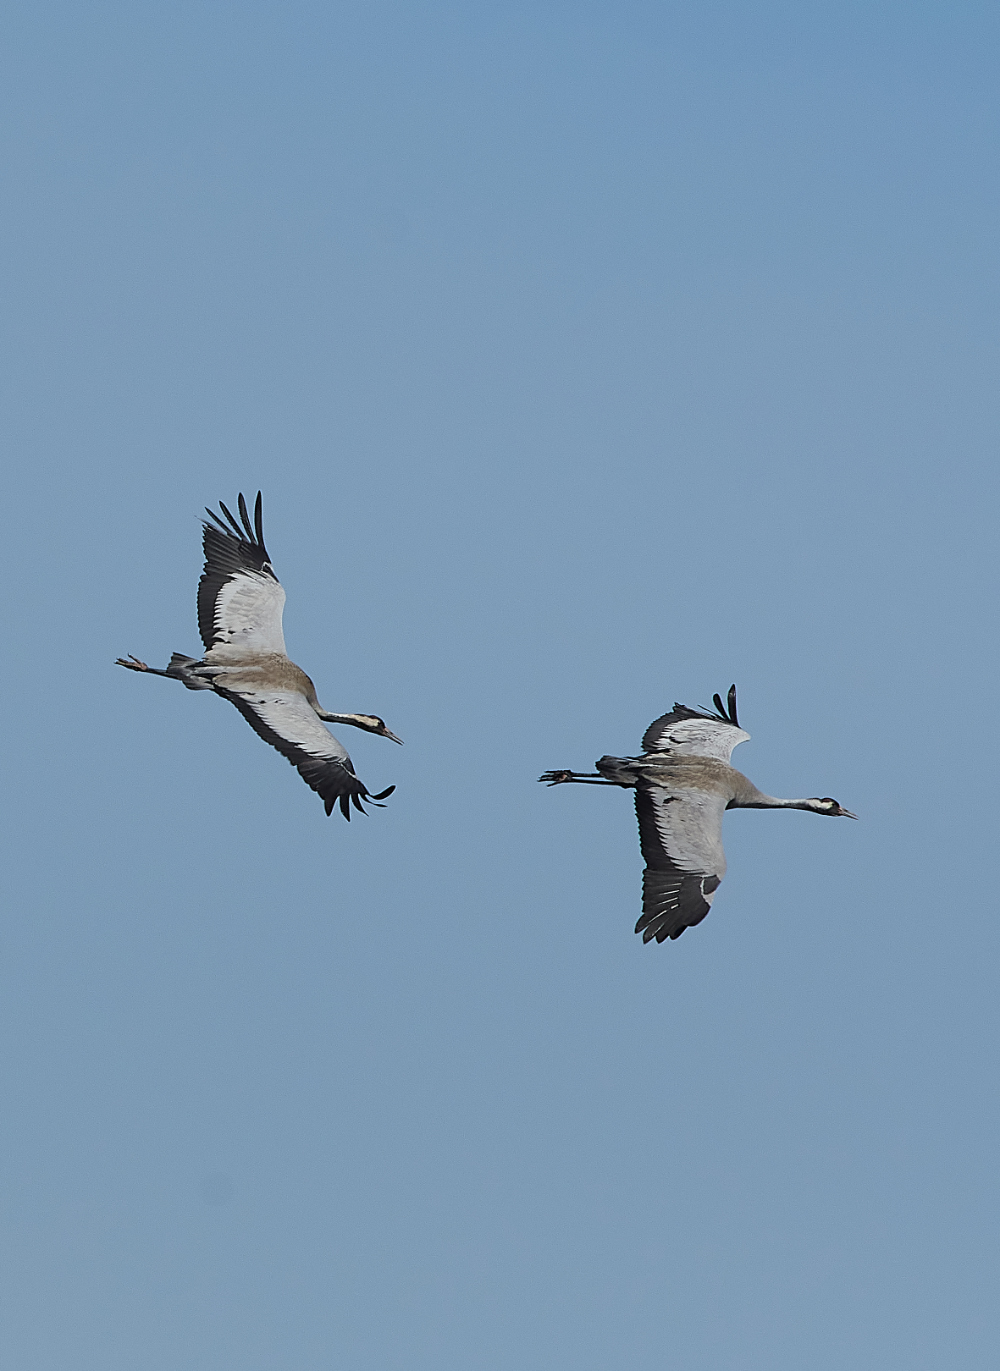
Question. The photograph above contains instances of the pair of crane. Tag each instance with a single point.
(683, 781)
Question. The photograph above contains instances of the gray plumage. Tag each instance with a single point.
(683, 785)
(240, 603)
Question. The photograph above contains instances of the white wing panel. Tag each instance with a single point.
(248, 611)
(695, 738)
(292, 718)
(689, 827)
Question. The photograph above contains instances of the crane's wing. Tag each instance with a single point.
(239, 597)
(680, 833)
(286, 720)
(695, 733)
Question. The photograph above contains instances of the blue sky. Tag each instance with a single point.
(589, 357)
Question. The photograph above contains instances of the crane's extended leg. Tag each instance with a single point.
(584, 778)
(178, 670)
(134, 664)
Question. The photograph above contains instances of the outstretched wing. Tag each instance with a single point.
(286, 720)
(696, 733)
(680, 833)
(239, 597)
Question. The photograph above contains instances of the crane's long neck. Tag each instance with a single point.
(365, 721)
(749, 797)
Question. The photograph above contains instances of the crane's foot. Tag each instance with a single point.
(132, 663)
(556, 777)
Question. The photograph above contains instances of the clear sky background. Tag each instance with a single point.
(589, 357)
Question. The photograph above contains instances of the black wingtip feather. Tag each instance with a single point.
(252, 533)
(235, 526)
(732, 704)
(245, 517)
(727, 711)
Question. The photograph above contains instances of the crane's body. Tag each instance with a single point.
(683, 784)
(240, 603)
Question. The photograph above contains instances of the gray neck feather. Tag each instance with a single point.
(749, 797)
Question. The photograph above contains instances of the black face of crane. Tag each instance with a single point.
(831, 807)
(378, 726)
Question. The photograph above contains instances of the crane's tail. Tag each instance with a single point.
(181, 668)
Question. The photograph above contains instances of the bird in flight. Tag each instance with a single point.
(683, 785)
(240, 601)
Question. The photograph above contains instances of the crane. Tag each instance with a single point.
(683, 784)
(240, 601)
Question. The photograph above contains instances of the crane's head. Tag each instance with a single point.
(831, 807)
(371, 723)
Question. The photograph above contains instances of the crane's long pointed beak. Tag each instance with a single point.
(846, 813)
(386, 734)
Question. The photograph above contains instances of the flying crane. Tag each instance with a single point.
(683, 785)
(240, 601)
